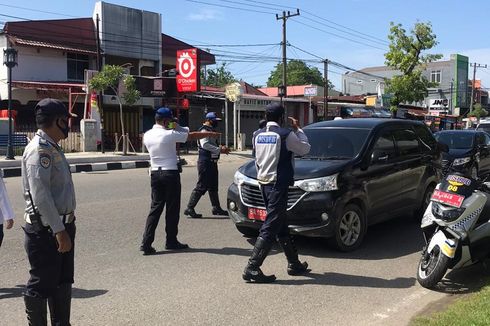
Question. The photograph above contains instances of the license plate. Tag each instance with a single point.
(447, 198)
(257, 214)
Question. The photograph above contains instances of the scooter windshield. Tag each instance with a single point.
(458, 184)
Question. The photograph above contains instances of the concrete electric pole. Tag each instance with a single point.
(474, 65)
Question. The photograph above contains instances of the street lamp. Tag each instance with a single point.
(10, 60)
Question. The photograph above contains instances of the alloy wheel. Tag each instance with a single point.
(350, 228)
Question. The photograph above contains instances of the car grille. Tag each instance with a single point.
(252, 196)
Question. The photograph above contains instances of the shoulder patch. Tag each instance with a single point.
(45, 160)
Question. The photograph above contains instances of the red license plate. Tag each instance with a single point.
(257, 214)
(447, 198)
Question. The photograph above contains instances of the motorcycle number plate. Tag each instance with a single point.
(442, 197)
(257, 214)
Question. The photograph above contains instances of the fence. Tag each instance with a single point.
(69, 145)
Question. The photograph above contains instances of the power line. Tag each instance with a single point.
(36, 10)
(230, 7)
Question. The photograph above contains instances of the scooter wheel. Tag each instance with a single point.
(432, 267)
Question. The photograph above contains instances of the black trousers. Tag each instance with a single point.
(165, 190)
(275, 224)
(1, 234)
(208, 177)
(49, 268)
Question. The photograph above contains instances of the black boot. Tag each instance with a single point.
(36, 311)
(60, 306)
(217, 210)
(295, 267)
(189, 211)
(252, 272)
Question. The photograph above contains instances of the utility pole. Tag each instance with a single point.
(451, 109)
(100, 97)
(284, 18)
(325, 89)
(474, 65)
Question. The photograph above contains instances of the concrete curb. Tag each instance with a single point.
(88, 167)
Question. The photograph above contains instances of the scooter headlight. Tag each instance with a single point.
(445, 213)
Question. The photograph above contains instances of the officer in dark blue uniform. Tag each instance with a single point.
(274, 148)
(50, 218)
(207, 168)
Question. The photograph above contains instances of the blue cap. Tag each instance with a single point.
(212, 116)
(275, 109)
(165, 113)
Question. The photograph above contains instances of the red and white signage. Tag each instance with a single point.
(188, 67)
(447, 198)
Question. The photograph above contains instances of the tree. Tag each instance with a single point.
(218, 77)
(298, 73)
(406, 54)
(111, 77)
(478, 111)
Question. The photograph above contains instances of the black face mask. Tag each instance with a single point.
(214, 123)
(64, 130)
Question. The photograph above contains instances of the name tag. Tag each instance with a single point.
(266, 139)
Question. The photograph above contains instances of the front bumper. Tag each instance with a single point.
(311, 215)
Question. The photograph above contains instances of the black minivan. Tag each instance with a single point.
(358, 172)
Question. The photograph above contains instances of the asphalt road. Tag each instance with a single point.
(116, 285)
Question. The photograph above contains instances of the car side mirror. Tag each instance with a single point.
(379, 157)
(442, 147)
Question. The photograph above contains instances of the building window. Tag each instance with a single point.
(435, 76)
(77, 64)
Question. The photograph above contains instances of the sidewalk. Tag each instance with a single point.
(96, 161)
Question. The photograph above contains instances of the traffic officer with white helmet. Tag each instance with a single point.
(50, 218)
(274, 148)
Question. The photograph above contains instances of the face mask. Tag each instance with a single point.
(65, 129)
(214, 123)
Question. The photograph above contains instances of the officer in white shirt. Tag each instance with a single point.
(161, 143)
(6, 211)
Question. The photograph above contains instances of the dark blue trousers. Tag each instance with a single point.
(1, 234)
(208, 177)
(49, 268)
(275, 224)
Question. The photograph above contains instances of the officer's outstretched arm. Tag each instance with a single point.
(202, 134)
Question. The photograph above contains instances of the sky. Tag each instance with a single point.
(350, 32)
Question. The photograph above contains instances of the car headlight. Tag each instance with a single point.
(461, 161)
(238, 178)
(319, 184)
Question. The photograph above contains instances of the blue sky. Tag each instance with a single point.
(323, 28)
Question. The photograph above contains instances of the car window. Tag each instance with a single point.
(427, 140)
(484, 126)
(336, 143)
(456, 139)
(384, 146)
(406, 142)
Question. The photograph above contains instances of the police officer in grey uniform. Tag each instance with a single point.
(50, 217)
(274, 148)
(207, 168)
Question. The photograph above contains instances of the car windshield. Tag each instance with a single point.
(335, 143)
(484, 126)
(456, 140)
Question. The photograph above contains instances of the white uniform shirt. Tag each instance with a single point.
(6, 211)
(161, 142)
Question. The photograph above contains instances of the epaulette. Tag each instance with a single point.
(43, 142)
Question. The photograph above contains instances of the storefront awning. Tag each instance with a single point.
(49, 86)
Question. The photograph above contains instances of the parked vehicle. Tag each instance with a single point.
(358, 172)
(484, 125)
(456, 228)
(469, 151)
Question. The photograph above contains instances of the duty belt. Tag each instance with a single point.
(65, 218)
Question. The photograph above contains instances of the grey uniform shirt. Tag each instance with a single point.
(46, 174)
(211, 145)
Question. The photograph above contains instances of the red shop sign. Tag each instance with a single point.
(188, 67)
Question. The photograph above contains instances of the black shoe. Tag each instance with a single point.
(191, 213)
(147, 250)
(298, 268)
(176, 246)
(219, 211)
(255, 275)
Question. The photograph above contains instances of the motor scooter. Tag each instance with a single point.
(455, 226)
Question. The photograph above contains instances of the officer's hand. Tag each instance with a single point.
(294, 123)
(64, 241)
(224, 150)
(9, 224)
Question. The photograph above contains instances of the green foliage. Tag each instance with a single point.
(478, 111)
(406, 55)
(298, 73)
(109, 77)
(218, 77)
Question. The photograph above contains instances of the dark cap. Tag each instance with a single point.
(164, 113)
(52, 107)
(275, 109)
(212, 116)
(262, 123)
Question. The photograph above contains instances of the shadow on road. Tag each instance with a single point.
(346, 280)
(17, 291)
(466, 280)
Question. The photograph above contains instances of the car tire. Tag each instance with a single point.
(419, 213)
(247, 232)
(350, 228)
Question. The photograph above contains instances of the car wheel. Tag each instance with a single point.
(350, 228)
(418, 214)
(246, 231)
